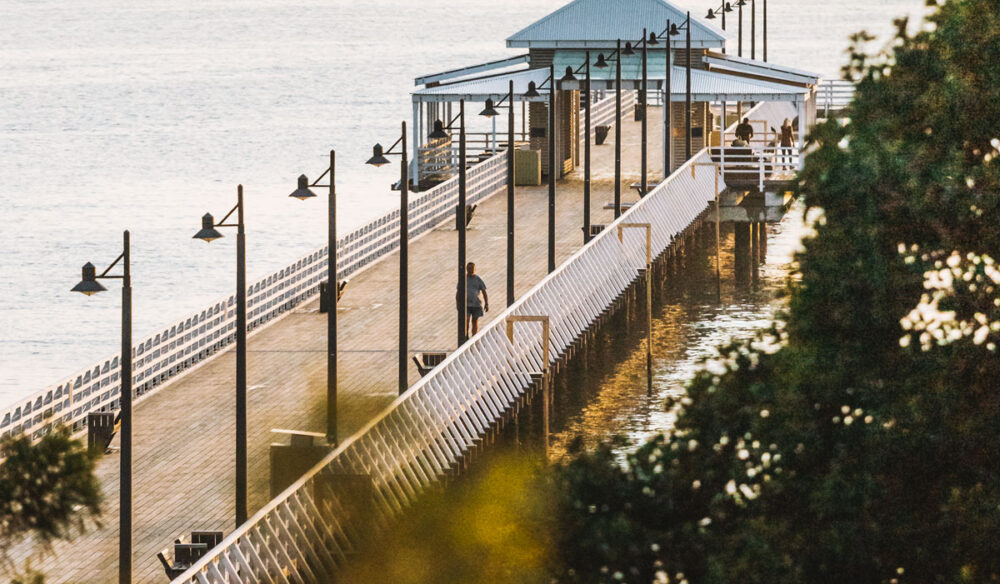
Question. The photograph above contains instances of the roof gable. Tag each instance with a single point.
(583, 23)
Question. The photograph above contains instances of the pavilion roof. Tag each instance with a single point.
(600, 23)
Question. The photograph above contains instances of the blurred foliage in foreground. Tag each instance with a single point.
(47, 490)
(857, 440)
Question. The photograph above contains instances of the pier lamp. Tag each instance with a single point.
(739, 46)
(208, 232)
(89, 286)
(460, 209)
(533, 92)
(491, 112)
(303, 192)
(379, 159)
(674, 30)
(720, 11)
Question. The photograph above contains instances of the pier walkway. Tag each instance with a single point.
(183, 432)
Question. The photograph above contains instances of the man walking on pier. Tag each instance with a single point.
(473, 307)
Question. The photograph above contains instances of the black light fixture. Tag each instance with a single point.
(653, 41)
(674, 31)
(628, 49)
(378, 156)
(532, 90)
(439, 133)
(601, 62)
(302, 192)
(489, 111)
(208, 232)
(88, 284)
(569, 75)
(728, 7)
(710, 15)
(379, 159)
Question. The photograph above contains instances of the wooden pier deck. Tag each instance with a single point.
(183, 467)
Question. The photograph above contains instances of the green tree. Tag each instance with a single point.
(47, 489)
(856, 440)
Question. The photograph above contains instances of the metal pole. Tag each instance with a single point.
(649, 319)
(718, 244)
(723, 25)
(645, 109)
(510, 194)
(552, 167)
(618, 131)
(687, 91)
(460, 225)
(331, 314)
(241, 363)
(404, 237)
(765, 31)
(586, 155)
(739, 50)
(125, 513)
(753, 29)
(668, 111)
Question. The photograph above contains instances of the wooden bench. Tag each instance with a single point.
(624, 205)
(638, 188)
(185, 554)
(428, 361)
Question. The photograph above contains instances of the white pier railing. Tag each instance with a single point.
(833, 95)
(303, 535)
(190, 341)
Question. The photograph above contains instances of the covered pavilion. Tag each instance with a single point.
(560, 41)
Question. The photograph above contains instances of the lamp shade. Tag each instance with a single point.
(378, 157)
(88, 284)
(601, 63)
(532, 90)
(569, 75)
(302, 192)
(438, 133)
(628, 49)
(208, 231)
(674, 31)
(710, 15)
(728, 7)
(741, 2)
(653, 41)
(489, 111)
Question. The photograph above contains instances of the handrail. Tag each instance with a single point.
(412, 442)
(190, 341)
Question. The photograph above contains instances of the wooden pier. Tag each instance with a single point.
(183, 433)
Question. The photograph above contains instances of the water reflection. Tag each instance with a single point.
(689, 323)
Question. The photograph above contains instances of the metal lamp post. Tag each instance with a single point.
(379, 159)
(674, 31)
(209, 232)
(552, 167)
(303, 193)
(89, 285)
(490, 112)
(739, 47)
(460, 212)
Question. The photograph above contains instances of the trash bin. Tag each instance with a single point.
(601, 134)
(324, 297)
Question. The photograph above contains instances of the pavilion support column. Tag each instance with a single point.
(802, 129)
(741, 248)
(417, 107)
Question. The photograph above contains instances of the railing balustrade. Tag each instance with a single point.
(190, 341)
(425, 432)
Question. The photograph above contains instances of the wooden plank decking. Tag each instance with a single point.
(183, 469)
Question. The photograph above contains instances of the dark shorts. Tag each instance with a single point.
(474, 311)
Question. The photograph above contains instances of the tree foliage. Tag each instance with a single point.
(856, 440)
(47, 488)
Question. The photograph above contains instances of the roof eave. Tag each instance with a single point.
(567, 44)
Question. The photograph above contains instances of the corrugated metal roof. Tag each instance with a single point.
(752, 67)
(602, 22)
(494, 87)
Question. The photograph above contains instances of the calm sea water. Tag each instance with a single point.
(145, 115)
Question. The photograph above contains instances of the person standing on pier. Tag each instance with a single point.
(744, 131)
(786, 141)
(474, 308)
